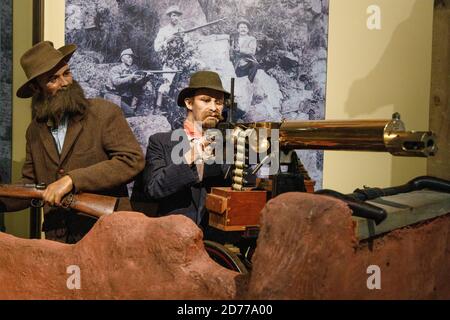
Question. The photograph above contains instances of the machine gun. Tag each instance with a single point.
(93, 205)
(237, 208)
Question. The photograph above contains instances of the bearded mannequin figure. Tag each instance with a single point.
(74, 144)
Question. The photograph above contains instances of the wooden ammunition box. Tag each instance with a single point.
(231, 210)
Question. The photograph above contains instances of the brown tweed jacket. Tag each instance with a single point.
(100, 154)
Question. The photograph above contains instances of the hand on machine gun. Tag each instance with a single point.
(202, 149)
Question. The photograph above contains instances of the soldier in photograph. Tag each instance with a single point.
(127, 84)
(167, 38)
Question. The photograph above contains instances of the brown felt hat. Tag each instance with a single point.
(40, 59)
(202, 80)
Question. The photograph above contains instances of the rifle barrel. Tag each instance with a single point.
(20, 191)
(203, 25)
(160, 71)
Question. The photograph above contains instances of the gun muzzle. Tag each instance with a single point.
(358, 135)
(411, 144)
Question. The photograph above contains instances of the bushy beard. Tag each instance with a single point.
(69, 101)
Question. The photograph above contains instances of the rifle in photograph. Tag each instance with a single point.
(179, 33)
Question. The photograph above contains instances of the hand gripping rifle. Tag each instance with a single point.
(90, 204)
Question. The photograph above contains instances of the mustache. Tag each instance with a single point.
(217, 115)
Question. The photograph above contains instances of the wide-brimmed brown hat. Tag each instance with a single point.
(202, 80)
(40, 59)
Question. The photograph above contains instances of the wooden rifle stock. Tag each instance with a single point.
(93, 205)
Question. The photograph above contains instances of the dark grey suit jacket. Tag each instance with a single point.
(176, 187)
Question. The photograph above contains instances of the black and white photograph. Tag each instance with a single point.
(140, 53)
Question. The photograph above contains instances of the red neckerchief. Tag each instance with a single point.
(190, 130)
